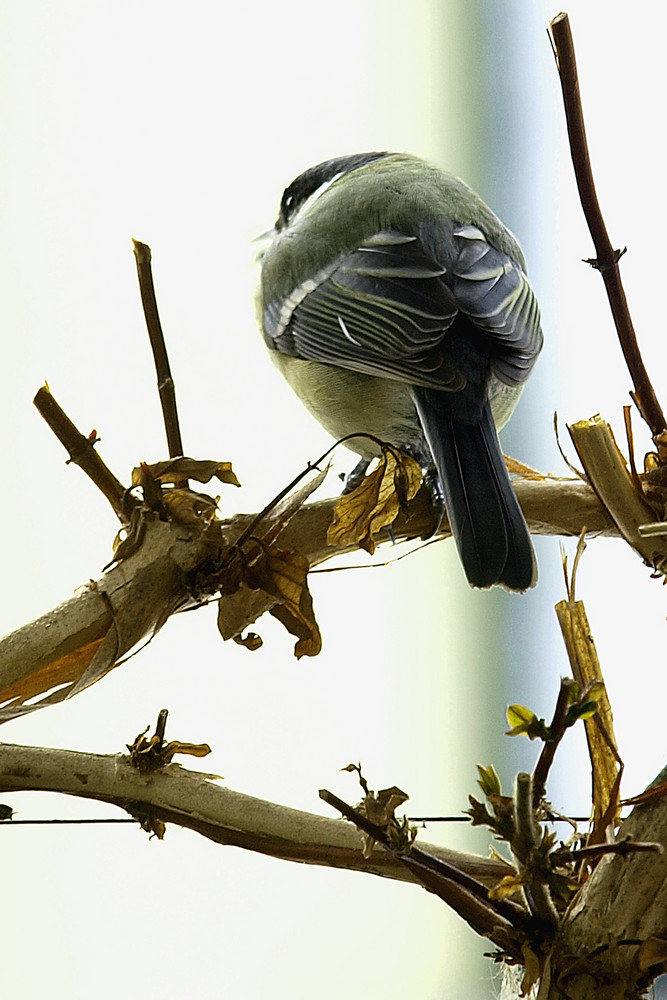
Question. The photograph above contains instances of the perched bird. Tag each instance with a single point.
(396, 303)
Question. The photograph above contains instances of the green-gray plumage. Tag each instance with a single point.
(403, 192)
(396, 303)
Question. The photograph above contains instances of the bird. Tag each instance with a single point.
(396, 304)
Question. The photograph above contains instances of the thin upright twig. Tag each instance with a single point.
(82, 452)
(606, 259)
(557, 730)
(165, 382)
(525, 845)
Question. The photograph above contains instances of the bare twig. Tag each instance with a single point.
(525, 844)
(165, 382)
(606, 259)
(161, 725)
(82, 451)
(557, 730)
(467, 896)
(625, 846)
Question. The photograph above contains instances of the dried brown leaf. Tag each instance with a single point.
(652, 952)
(510, 885)
(376, 502)
(130, 538)
(282, 513)
(187, 507)
(518, 468)
(143, 477)
(532, 969)
(240, 608)
(587, 672)
(379, 808)
(260, 577)
(273, 580)
(287, 580)
(250, 641)
(151, 753)
(170, 750)
(174, 470)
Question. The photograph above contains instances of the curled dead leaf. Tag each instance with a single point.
(379, 808)
(265, 578)
(377, 501)
(175, 470)
(510, 885)
(187, 507)
(279, 576)
(532, 969)
(152, 753)
(283, 573)
(250, 641)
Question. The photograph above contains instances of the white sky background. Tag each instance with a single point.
(180, 126)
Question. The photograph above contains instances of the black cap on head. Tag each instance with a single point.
(310, 180)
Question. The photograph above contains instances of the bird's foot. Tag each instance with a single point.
(356, 477)
(432, 484)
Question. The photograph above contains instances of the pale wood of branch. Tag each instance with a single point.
(190, 799)
(608, 474)
(149, 583)
(623, 902)
(123, 607)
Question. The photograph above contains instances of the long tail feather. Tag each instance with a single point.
(487, 522)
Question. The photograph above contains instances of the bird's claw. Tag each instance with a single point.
(356, 477)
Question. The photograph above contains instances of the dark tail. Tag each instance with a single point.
(487, 523)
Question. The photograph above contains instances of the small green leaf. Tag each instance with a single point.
(488, 780)
(526, 723)
(519, 717)
(583, 710)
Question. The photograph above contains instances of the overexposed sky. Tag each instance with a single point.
(180, 126)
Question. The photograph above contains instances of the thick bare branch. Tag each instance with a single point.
(607, 945)
(125, 605)
(81, 640)
(196, 801)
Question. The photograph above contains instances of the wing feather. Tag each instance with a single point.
(387, 309)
